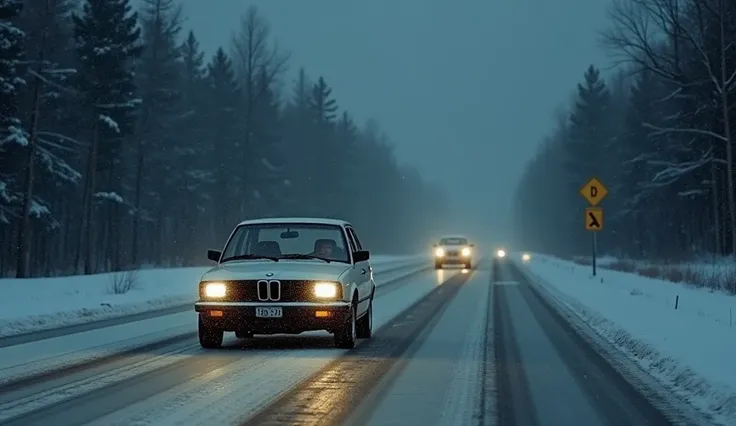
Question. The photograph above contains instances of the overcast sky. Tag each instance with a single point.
(465, 88)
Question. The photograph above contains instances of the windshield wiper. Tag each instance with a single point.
(303, 256)
(249, 256)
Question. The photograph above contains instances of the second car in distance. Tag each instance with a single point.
(453, 250)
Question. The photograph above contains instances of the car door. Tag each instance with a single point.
(363, 273)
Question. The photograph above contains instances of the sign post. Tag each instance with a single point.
(594, 192)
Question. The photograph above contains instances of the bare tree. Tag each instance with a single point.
(652, 34)
(258, 62)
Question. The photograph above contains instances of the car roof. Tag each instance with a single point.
(311, 220)
(453, 237)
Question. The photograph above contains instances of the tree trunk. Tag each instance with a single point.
(89, 210)
(716, 203)
(137, 206)
(24, 231)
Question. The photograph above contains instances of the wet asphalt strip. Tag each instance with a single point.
(102, 401)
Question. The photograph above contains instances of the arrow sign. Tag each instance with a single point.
(594, 218)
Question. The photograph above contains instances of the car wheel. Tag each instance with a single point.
(243, 334)
(347, 335)
(210, 337)
(468, 265)
(437, 265)
(365, 324)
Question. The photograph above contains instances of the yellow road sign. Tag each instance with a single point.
(593, 218)
(594, 192)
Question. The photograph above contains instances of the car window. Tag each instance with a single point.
(351, 239)
(453, 242)
(283, 239)
(357, 240)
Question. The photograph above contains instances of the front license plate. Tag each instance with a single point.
(269, 312)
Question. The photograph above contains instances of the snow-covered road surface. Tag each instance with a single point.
(180, 382)
(456, 347)
(548, 375)
(65, 351)
(439, 381)
(682, 335)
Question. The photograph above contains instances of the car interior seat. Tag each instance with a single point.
(267, 248)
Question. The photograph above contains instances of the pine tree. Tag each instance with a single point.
(157, 152)
(324, 161)
(108, 41)
(587, 145)
(324, 108)
(223, 103)
(44, 110)
(191, 133)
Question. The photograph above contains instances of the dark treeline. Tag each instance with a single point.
(121, 144)
(658, 134)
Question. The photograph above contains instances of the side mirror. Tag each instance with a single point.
(472, 245)
(361, 256)
(214, 255)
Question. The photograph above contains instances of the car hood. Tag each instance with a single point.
(454, 247)
(282, 270)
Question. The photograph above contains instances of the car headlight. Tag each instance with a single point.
(325, 290)
(439, 252)
(215, 290)
(501, 253)
(466, 251)
(526, 257)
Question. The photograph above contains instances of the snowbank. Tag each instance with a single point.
(716, 273)
(34, 304)
(682, 335)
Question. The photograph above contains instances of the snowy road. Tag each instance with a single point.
(454, 348)
(175, 381)
(547, 375)
(499, 356)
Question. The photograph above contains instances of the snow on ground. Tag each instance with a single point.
(34, 304)
(717, 273)
(683, 335)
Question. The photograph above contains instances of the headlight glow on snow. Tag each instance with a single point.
(325, 290)
(215, 290)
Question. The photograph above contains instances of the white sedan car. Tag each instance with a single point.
(455, 250)
(288, 275)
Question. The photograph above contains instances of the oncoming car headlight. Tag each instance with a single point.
(439, 252)
(526, 257)
(501, 253)
(325, 290)
(466, 251)
(215, 290)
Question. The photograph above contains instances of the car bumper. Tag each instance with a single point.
(296, 317)
(455, 260)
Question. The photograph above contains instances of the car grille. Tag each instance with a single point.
(453, 253)
(288, 291)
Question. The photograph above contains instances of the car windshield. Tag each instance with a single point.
(288, 241)
(453, 242)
